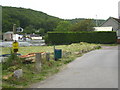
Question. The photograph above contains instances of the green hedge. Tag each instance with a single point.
(102, 37)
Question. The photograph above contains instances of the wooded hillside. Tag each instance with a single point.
(31, 20)
(27, 18)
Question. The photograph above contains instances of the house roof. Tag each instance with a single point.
(116, 19)
(9, 32)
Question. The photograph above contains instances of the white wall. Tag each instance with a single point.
(103, 28)
(7, 36)
(15, 37)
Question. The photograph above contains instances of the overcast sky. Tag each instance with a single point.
(69, 9)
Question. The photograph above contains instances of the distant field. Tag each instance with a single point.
(69, 48)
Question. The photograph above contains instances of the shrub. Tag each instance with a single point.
(12, 60)
(103, 37)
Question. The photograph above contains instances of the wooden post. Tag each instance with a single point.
(54, 51)
(38, 62)
(47, 56)
(54, 47)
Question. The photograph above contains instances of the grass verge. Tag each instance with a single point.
(70, 52)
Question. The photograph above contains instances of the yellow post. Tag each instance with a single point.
(15, 46)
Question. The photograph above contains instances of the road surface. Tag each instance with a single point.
(96, 69)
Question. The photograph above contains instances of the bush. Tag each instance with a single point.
(46, 38)
(102, 37)
(12, 60)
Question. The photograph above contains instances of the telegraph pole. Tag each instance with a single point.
(14, 28)
(96, 21)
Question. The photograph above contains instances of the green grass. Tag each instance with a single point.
(30, 75)
(69, 48)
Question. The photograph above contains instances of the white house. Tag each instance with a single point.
(8, 36)
(16, 37)
(112, 22)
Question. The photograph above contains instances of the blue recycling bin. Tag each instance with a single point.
(57, 54)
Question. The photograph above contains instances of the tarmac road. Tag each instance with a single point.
(96, 69)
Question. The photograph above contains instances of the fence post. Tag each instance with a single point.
(47, 56)
(38, 61)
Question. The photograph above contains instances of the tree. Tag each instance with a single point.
(40, 31)
(63, 26)
(84, 25)
(29, 29)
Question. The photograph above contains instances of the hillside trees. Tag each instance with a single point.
(84, 25)
(63, 26)
(41, 31)
(77, 20)
(27, 18)
(29, 29)
(31, 20)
